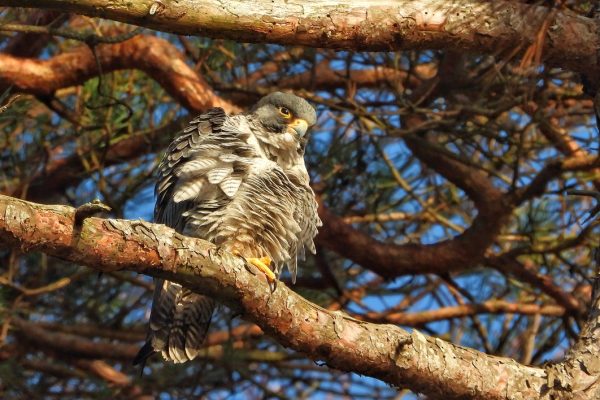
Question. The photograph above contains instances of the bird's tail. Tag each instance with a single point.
(178, 323)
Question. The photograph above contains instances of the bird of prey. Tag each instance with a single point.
(239, 182)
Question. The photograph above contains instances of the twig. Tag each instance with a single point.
(88, 38)
(9, 102)
(589, 193)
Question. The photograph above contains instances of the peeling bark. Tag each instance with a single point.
(412, 360)
(578, 377)
(471, 25)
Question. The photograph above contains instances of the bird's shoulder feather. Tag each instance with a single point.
(205, 163)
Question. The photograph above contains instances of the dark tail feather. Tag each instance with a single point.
(178, 323)
(142, 356)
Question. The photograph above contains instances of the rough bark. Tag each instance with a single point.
(472, 25)
(412, 360)
(578, 376)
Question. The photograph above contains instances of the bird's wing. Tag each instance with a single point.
(307, 217)
(203, 167)
(201, 170)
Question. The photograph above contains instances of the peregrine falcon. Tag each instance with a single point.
(239, 182)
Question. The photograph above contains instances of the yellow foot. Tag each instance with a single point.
(263, 265)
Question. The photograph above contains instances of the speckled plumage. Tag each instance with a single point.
(241, 183)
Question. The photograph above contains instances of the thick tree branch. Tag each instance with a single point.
(423, 364)
(392, 260)
(155, 56)
(459, 253)
(471, 25)
(578, 377)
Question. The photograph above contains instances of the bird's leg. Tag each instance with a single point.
(263, 265)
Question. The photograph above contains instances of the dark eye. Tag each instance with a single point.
(285, 112)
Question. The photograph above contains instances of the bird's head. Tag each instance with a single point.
(287, 116)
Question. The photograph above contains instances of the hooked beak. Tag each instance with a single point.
(300, 126)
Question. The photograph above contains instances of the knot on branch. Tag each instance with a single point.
(87, 210)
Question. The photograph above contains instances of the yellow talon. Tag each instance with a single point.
(263, 265)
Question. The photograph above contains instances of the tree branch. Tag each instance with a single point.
(471, 25)
(31, 44)
(412, 360)
(60, 173)
(392, 260)
(155, 56)
(463, 310)
(566, 144)
(551, 171)
(526, 272)
(578, 377)
(113, 377)
(459, 253)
